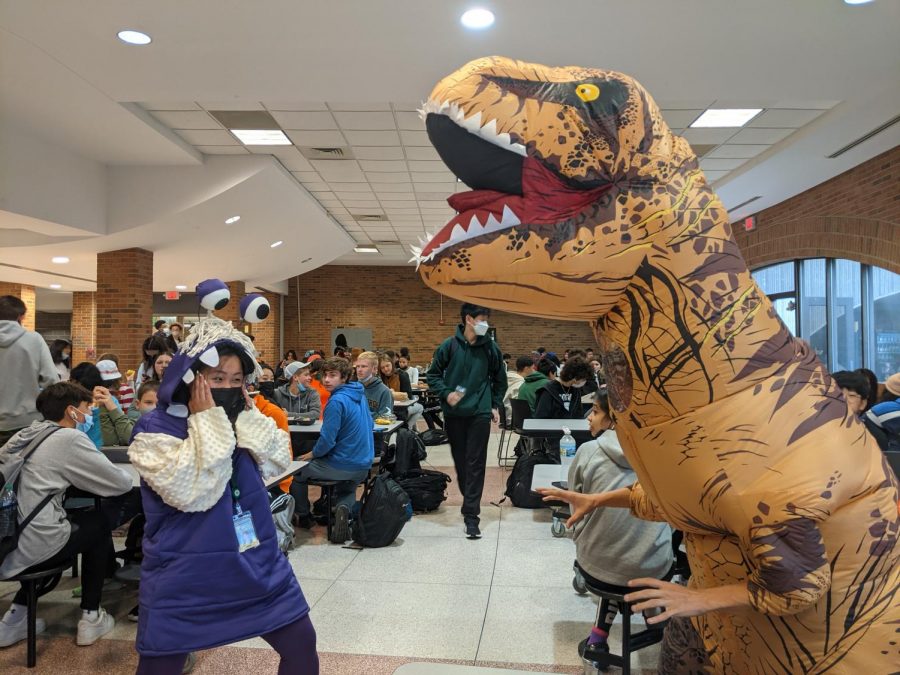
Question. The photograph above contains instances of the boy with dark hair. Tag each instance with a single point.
(561, 398)
(468, 376)
(544, 372)
(146, 400)
(344, 451)
(514, 380)
(855, 388)
(66, 457)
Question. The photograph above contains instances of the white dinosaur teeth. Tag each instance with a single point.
(458, 233)
(473, 123)
(489, 129)
(518, 148)
(475, 229)
(492, 224)
(509, 218)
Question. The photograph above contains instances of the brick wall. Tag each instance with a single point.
(267, 333)
(855, 215)
(124, 301)
(84, 326)
(26, 294)
(402, 311)
(53, 324)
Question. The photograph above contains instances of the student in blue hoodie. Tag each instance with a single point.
(344, 451)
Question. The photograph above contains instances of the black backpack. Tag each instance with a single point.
(426, 489)
(518, 484)
(383, 511)
(406, 453)
(434, 437)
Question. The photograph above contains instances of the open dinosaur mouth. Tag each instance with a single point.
(509, 187)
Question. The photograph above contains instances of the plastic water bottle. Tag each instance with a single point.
(8, 511)
(567, 444)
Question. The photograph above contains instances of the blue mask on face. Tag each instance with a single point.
(86, 425)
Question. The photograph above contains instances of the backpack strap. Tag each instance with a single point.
(26, 455)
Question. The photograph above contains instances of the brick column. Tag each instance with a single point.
(267, 333)
(124, 302)
(291, 311)
(26, 294)
(84, 326)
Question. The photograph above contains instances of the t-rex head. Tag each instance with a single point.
(571, 170)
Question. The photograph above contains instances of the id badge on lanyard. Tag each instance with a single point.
(243, 522)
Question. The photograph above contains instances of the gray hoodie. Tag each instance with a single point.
(306, 403)
(67, 457)
(611, 544)
(26, 367)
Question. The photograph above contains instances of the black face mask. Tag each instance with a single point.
(267, 389)
(231, 399)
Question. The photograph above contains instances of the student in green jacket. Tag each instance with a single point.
(544, 373)
(468, 375)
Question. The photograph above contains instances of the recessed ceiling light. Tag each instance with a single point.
(725, 117)
(59, 259)
(181, 288)
(857, 2)
(261, 136)
(477, 18)
(233, 219)
(366, 249)
(276, 244)
(134, 37)
(55, 287)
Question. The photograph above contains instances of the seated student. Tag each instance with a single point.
(397, 381)
(315, 369)
(611, 545)
(87, 375)
(872, 379)
(561, 398)
(344, 451)
(404, 366)
(115, 425)
(855, 388)
(514, 380)
(265, 383)
(544, 373)
(883, 419)
(65, 458)
(160, 362)
(125, 393)
(297, 397)
(146, 400)
(152, 347)
(378, 396)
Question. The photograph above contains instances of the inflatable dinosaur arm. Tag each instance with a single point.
(642, 506)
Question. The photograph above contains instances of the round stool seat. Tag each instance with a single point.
(128, 574)
(25, 575)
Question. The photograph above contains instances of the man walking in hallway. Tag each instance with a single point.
(468, 375)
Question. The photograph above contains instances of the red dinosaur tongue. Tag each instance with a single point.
(545, 200)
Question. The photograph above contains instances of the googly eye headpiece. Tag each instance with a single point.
(213, 294)
(254, 308)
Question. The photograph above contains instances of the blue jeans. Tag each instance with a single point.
(344, 492)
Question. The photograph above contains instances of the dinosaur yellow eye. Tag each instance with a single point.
(588, 92)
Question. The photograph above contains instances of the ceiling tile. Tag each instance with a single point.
(381, 167)
(430, 167)
(374, 152)
(366, 120)
(402, 196)
(232, 105)
(680, 118)
(761, 136)
(711, 136)
(280, 151)
(343, 195)
(337, 211)
(317, 139)
(720, 164)
(303, 176)
(681, 104)
(732, 151)
(434, 177)
(409, 121)
(316, 186)
(339, 170)
(204, 137)
(295, 105)
(446, 188)
(432, 204)
(397, 211)
(405, 218)
(356, 106)
(433, 196)
(391, 177)
(187, 119)
(408, 107)
(422, 153)
(391, 187)
(308, 120)
(223, 149)
(337, 186)
(354, 204)
(163, 105)
(296, 163)
(398, 203)
(414, 137)
(372, 137)
(784, 119)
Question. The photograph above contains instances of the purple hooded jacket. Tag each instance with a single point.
(197, 591)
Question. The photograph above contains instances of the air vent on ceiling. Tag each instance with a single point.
(369, 217)
(863, 139)
(752, 199)
(327, 153)
(701, 150)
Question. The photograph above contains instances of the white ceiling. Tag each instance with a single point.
(351, 74)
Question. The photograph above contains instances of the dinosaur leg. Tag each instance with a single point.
(682, 651)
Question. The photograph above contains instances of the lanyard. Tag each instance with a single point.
(235, 492)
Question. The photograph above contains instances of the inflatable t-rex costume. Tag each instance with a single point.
(587, 207)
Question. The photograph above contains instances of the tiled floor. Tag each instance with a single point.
(504, 601)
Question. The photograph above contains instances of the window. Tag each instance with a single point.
(779, 283)
(845, 310)
(813, 315)
(885, 324)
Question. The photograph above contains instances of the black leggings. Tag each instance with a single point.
(295, 643)
(91, 538)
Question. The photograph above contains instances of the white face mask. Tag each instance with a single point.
(481, 328)
(579, 384)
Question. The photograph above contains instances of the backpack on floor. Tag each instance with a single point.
(518, 484)
(426, 488)
(405, 453)
(282, 508)
(434, 437)
(382, 512)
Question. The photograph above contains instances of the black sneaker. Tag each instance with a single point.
(472, 531)
(305, 522)
(340, 531)
(133, 613)
(597, 654)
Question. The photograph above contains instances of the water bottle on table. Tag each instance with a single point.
(567, 444)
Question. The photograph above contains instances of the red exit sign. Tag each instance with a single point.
(749, 223)
(172, 295)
